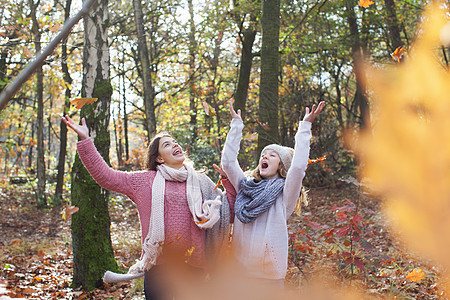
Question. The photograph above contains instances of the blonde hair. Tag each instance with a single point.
(302, 199)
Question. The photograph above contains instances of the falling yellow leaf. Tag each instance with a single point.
(416, 275)
(80, 102)
(406, 154)
(209, 110)
(365, 3)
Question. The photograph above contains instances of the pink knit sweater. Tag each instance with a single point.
(181, 233)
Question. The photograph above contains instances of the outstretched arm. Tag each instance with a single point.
(102, 173)
(299, 164)
(230, 151)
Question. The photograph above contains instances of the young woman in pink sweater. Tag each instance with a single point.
(182, 216)
(265, 199)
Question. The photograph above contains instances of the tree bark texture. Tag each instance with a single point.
(357, 55)
(40, 197)
(192, 74)
(91, 241)
(149, 95)
(270, 63)
(62, 125)
(392, 24)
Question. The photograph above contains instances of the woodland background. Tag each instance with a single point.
(171, 65)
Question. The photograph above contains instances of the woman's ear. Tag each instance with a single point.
(160, 160)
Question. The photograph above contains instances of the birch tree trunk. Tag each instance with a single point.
(91, 240)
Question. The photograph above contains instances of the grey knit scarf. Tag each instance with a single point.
(254, 198)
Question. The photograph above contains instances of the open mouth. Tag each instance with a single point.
(177, 152)
(264, 165)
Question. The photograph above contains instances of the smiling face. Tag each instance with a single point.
(170, 153)
(269, 164)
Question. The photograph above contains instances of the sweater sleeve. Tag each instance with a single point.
(104, 175)
(298, 167)
(230, 152)
(231, 196)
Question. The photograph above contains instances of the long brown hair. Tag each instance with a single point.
(302, 199)
(150, 162)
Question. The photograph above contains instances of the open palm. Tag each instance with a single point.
(81, 130)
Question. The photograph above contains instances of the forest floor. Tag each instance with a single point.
(352, 244)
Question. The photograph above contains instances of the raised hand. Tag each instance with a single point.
(220, 170)
(81, 130)
(233, 113)
(310, 116)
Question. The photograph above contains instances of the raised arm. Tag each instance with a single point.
(299, 164)
(230, 151)
(103, 174)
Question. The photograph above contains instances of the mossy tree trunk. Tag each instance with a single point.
(270, 64)
(91, 240)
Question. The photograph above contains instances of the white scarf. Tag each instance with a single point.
(205, 213)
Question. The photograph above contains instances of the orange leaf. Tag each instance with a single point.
(218, 183)
(27, 53)
(15, 241)
(365, 3)
(209, 110)
(313, 161)
(70, 210)
(398, 54)
(416, 275)
(202, 221)
(80, 102)
(252, 136)
(265, 126)
(55, 27)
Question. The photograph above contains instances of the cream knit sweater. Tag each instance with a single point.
(261, 247)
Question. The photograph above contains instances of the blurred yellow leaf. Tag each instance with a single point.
(365, 3)
(80, 102)
(406, 154)
(416, 275)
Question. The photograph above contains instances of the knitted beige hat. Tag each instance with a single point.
(285, 153)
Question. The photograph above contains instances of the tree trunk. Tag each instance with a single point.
(392, 23)
(62, 126)
(91, 240)
(357, 55)
(125, 115)
(40, 197)
(270, 62)
(241, 93)
(192, 71)
(149, 95)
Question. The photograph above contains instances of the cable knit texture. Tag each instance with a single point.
(180, 231)
(261, 246)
